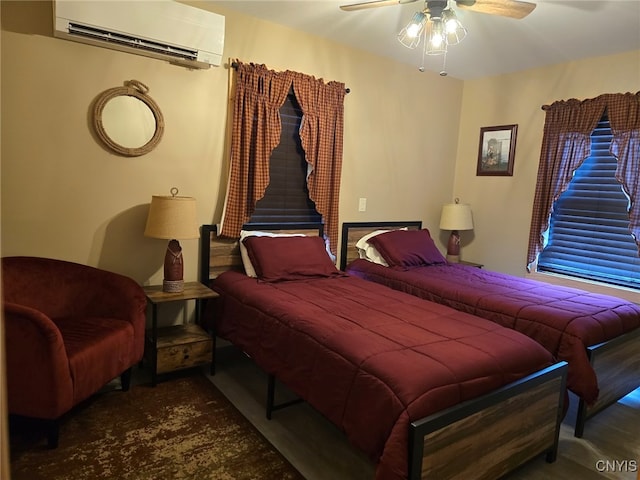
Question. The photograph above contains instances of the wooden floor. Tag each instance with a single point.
(320, 451)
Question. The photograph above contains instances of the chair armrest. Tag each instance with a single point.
(39, 381)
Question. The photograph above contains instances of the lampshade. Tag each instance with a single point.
(172, 217)
(410, 35)
(436, 43)
(456, 216)
(454, 30)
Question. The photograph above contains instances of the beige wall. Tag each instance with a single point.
(411, 140)
(502, 205)
(65, 196)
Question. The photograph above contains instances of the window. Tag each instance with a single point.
(589, 233)
(256, 130)
(286, 199)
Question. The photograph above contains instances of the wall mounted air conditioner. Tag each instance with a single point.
(162, 29)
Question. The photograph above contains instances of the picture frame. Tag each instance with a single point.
(497, 150)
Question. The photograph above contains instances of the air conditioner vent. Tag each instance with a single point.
(129, 41)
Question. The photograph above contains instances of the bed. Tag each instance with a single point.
(598, 335)
(413, 384)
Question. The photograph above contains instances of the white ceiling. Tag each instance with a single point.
(557, 31)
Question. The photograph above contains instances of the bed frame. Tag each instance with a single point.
(492, 434)
(616, 362)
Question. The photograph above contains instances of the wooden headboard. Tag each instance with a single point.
(354, 231)
(218, 254)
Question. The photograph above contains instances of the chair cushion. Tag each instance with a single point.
(99, 350)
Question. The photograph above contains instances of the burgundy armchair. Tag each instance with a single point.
(69, 329)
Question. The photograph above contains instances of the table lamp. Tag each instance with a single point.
(172, 218)
(455, 216)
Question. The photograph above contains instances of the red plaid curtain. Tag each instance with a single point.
(256, 130)
(624, 116)
(321, 133)
(566, 143)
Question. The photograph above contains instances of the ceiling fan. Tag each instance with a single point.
(438, 24)
(506, 8)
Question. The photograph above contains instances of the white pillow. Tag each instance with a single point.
(368, 251)
(248, 266)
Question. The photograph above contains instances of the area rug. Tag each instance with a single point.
(184, 428)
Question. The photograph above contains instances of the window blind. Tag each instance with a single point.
(589, 233)
(286, 199)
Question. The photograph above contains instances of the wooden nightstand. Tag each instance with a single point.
(471, 264)
(179, 346)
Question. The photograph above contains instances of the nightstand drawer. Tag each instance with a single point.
(182, 346)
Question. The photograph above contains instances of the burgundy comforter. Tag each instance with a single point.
(369, 358)
(564, 320)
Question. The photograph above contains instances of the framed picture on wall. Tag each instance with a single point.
(497, 150)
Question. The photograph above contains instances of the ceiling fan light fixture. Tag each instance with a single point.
(410, 35)
(438, 22)
(454, 30)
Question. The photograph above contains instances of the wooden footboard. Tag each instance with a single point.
(487, 437)
(617, 366)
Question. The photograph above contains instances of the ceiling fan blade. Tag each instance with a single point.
(373, 4)
(505, 8)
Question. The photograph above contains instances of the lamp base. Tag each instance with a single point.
(453, 247)
(173, 269)
(173, 286)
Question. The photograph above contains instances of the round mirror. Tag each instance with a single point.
(127, 120)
